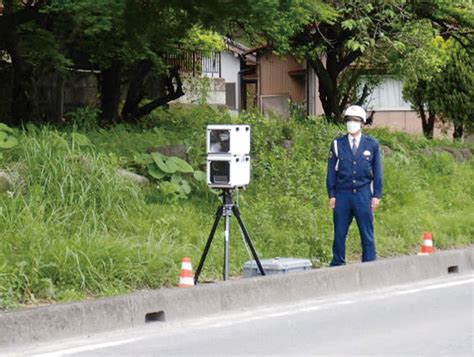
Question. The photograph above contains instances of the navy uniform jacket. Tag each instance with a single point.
(354, 173)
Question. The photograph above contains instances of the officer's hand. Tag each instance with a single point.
(375, 203)
(332, 202)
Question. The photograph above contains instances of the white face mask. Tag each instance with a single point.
(353, 127)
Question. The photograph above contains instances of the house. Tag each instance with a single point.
(220, 71)
(230, 62)
(280, 81)
(283, 82)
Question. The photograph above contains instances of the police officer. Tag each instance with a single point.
(354, 184)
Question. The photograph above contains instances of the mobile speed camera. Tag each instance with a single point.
(228, 159)
(228, 168)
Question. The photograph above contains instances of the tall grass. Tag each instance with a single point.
(75, 229)
(66, 231)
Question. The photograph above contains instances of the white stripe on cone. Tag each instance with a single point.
(428, 243)
(186, 266)
(186, 281)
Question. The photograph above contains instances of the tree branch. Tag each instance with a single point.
(172, 94)
(365, 93)
(350, 85)
(348, 59)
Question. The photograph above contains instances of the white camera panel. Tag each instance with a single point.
(228, 139)
(225, 171)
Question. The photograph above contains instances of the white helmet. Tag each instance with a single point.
(356, 111)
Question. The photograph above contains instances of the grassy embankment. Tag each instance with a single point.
(74, 229)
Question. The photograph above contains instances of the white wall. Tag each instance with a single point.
(230, 67)
(193, 90)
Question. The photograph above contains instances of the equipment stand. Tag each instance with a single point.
(228, 207)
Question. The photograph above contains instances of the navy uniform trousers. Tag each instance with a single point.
(349, 180)
(351, 205)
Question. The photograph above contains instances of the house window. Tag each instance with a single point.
(387, 96)
(230, 95)
(211, 63)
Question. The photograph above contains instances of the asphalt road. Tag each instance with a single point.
(434, 317)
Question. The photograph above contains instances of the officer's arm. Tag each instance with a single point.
(378, 172)
(331, 173)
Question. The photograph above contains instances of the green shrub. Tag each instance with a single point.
(85, 119)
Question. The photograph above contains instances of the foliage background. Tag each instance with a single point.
(73, 229)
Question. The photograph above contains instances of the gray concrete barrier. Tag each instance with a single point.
(82, 318)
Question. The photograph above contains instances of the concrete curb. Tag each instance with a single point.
(83, 318)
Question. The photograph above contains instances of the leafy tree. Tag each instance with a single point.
(417, 65)
(126, 40)
(452, 19)
(34, 36)
(453, 91)
(422, 63)
(341, 40)
(132, 45)
(129, 41)
(343, 49)
(27, 46)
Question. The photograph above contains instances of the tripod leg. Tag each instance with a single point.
(247, 239)
(226, 246)
(208, 244)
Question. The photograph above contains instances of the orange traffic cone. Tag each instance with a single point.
(186, 276)
(427, 246)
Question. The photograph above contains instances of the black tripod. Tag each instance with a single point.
(226, 211)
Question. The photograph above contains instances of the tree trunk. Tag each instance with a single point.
(458, 131)
(22, 103)
(109, 87)
(327, 90)
(332, 67)
(135, 91)
(22, 93)
(431, 122)
(427, 123)
(23, 84)
(328, 75)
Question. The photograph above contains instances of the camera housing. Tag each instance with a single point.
(228, 139)
(226, 171)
